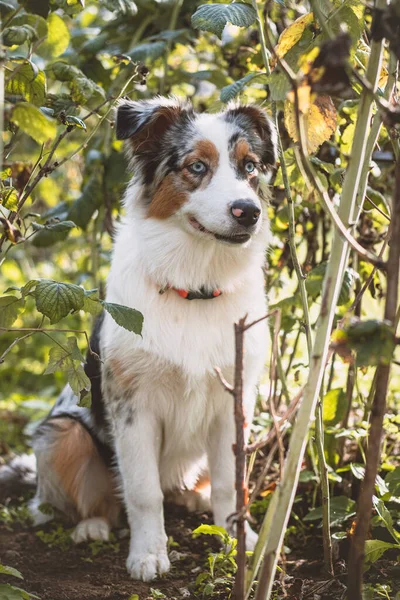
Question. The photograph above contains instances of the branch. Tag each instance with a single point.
(356, 557)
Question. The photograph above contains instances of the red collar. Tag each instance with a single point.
(201, 294)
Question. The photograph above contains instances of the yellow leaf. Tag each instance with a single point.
(320, 122)
(292, 34)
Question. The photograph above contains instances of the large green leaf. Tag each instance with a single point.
(214, 17)
(27, 81)
(18, 35)
(33, 122)
(386, 517)
(35, 21)
(57, 39)
(10, 592)
(374, 549)
(4, 570)
(9, 309)
(51, 233)
(126, 317)
(334, 406)
(56, 300)
(342, 508)
(372, 339)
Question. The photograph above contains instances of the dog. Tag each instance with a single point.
(189, 256)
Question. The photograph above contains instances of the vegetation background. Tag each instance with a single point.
(65, 65)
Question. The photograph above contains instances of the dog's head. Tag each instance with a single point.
(202, 170)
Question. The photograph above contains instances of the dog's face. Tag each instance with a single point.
(201, 170)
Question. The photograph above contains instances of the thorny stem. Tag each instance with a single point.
(356, 556)
(277, 516)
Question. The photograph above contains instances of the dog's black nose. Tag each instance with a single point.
(245, 212)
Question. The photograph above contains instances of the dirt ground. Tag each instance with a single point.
(90, 572)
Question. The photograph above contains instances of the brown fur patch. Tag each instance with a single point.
(169, 196)
(123, 378)
(205, 151)
(242, 151)
(174, 189)
(82, 472)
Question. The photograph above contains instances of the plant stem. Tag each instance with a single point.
(356, 556)
(279, 510)
(172, 26)
(324, 482)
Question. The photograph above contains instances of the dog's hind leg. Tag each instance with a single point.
(73, 478)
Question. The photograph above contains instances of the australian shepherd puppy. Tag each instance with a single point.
(189, 255)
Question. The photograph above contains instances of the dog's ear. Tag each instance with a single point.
(144, 123)
(255, 120)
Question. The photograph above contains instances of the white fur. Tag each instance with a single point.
(183, 417)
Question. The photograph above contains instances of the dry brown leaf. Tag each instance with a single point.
(320, 122)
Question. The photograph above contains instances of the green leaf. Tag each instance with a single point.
(91, 303)
(51, 233)
(16, 36)
(33, 122)
(342, 508)
(373, 340)
(75, 122)
(334, 407)
(10, 571)
(386, 517)
(149, 50)
(10, 592)
(65, 72)
(57, 39)
(60, 357)
(79, 382)
(279, 86)
(28, 82)
(6, 8)
(56, 300)
(39, 7)
(315, 280)
(230, 91)
(374, 549)
(9, 198)
(210, 530)
(392, 480)
(9, 309)
(214, 17)
(126, 317)
(38, 24)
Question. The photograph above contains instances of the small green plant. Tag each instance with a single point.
(11, 592)
(218, 579)
(10, 515)
(57, 537)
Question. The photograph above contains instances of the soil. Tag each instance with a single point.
(74, 572)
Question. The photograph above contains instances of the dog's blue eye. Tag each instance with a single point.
(198, 167)
(250, 166)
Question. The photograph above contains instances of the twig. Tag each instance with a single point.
(171, 27)
(239, 448)
(356, 556)
(49, 330)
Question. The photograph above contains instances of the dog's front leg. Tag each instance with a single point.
(138, 441)
(221, 460)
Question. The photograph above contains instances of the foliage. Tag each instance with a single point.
(66, 65)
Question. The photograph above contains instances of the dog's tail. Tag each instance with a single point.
(18, 475)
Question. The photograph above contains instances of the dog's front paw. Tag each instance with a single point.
(95, 528)
(147, 566)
